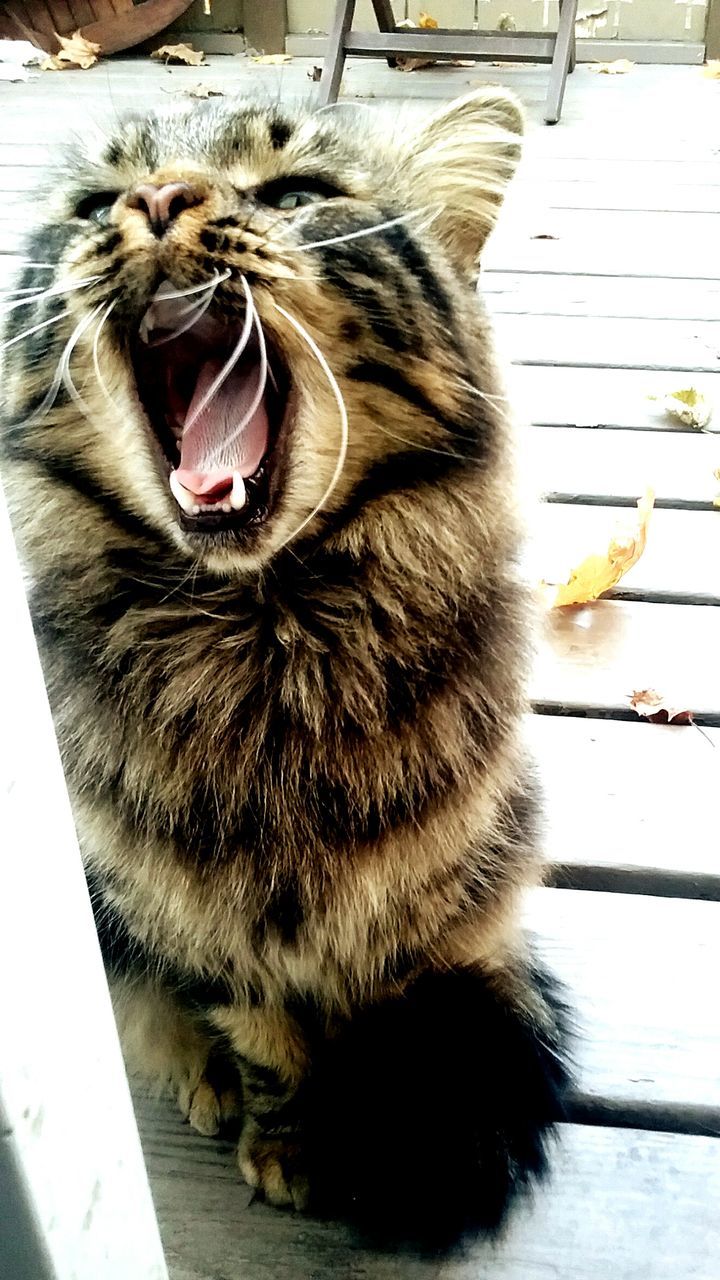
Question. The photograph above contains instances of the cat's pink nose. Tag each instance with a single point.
(161, 205)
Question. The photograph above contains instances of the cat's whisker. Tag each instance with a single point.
(64, 366)
(481, 395)
(28, 333)
(424, 448)
(96, 356)
(364, 231)
(58, 378)
(342, 410)
(212, 283)
(262, 377)
(230, 362)
(195, 314)
(55, 291)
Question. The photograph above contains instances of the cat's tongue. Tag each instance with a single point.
(212, 450)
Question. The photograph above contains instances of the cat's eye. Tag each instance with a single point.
(295, 193)
(296, 199)
(96, 207)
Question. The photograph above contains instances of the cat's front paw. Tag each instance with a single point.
(209, 1105)
(273, 1166)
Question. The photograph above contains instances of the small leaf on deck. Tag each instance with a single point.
(711, 69)
(598, 572)
(272, 59)
(179, 53)
(618, 67)
(651, 705)
(428, 23)
(688, 405)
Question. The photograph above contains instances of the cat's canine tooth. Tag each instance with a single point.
(238, 495)
(182, 497)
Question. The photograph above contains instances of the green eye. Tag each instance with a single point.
(296, 199)
(96, 208)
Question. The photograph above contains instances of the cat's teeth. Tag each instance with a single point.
(182, 497)
(238, 495)
(226, 508)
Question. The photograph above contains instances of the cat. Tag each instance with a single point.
(259, 461)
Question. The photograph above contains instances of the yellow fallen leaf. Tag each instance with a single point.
(430, 24)
(182, 53)
(711, 69)
(599, 572)
(75, 51)
(272, 59)
(617, 68)
(688, 405)
(716, 499)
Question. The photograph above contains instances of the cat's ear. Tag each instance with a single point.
(460, 162)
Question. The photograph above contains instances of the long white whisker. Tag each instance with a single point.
(215, 280)
(344, 428)
(16, 293)
(54, 291)
(58, 378)
(262, 379)
(65, 374)
(95, 353)
(39, 266)
(356, 235)
(195, 314)
(230, 363)
(27, 333)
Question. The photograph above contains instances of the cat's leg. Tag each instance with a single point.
(273, 1063)
(172, 1051)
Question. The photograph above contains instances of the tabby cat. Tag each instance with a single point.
(260, 469)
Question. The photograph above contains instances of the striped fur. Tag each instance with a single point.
(296, 769)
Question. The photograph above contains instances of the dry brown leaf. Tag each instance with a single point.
(404, 63)
(688, 405)
(617, 68)
(506, 22)
(203, 91)
(544, 235)
(651, 705)
(75, 51)
(428, 23)
(711, 69)
(272, 59)
(315, 74)
(184, 54)
(598, 572)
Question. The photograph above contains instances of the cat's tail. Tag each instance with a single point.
(430, 1112)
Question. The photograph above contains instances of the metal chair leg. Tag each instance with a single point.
(335, 55)
(562, 57)
(385, 20)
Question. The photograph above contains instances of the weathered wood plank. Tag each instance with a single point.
(595, 656)
(607, 242)
(578, 463)
(613, 193)
(604, 397)
(657, 299)
(604, 1213)
(634, 799)
(642, 976)
(681, 560)
(618, 341)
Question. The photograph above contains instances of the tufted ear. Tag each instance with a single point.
(459, 164)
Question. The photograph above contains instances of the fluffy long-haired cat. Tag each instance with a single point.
(259, 463)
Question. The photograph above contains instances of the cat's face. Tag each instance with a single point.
(257, 320)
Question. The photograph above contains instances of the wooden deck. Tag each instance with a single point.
(622, 303)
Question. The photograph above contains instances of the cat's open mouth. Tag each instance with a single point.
(215, 395)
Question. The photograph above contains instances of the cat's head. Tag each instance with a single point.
(256, 321)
